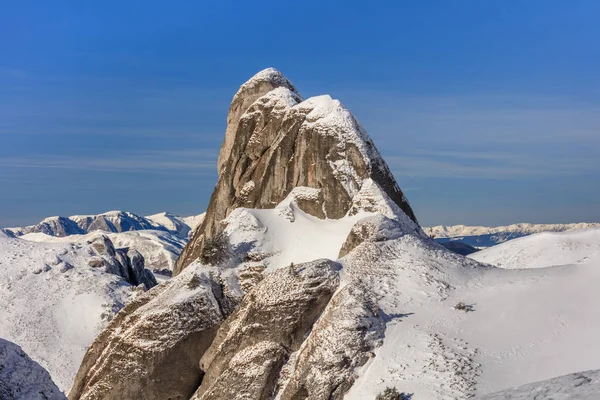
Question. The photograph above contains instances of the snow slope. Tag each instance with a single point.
(527, 324)
(54, 303)
(543, 250)
(482, 236)
(578, 386)
(23, 378)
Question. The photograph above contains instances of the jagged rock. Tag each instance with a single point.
(150, 350)
(103, 245)
(340, 341)
(65, 266)
(375, 229)
(280, 310)
(127, 263)
(250, 373)
(276, 142)
(22, 378)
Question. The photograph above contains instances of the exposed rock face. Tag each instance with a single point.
(57, 226)
(23, 378)
(127, 263)
(276, 142)
(274, 317)
(150, 350)
(235, 324)
(377, 228)
(342, 340)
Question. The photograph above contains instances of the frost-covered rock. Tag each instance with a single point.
(151, 349)
(376, 228)
(276, 142)
(22, 378)
(278, 313)
(578, 386)
(342, 340)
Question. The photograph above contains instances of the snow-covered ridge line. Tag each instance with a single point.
(111, 221)
(483, 237)
(445, 231)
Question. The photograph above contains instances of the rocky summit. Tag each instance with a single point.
(275, 141)
(249, 315)
(310, 278)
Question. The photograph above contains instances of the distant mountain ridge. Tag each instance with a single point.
(111, 221)
(483, 236)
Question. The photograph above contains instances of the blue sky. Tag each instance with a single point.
(488, 112)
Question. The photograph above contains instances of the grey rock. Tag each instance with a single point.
(103, 245)
(275, 142)
(150, 350)
(65, 266)
(341, 340)
(278, 313)
(377, 228)
(250, 374)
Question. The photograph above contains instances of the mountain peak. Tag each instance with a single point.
(275, 142)
(268, 76)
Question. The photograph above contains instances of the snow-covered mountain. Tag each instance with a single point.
(160, 238)
(56, 297)
(111, 221)
(310, 278)
(483, 236)
(545, 249)
(159, 248)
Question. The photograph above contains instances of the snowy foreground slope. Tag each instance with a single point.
(483, 236)
(578, 386)
(54, 303)
(23, 378)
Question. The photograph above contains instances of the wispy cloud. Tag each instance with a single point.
(193, 161)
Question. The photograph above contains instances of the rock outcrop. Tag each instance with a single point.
(151, 349)
(23, 378)
(273, 319)
(238, 321)
(127, 263)
(276, 142)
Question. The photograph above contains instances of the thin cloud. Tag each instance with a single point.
(192, 161)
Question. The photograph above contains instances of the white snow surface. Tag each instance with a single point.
(527, 325)
(51, 310)
(543, 250)
(286, 234)
(452, 231)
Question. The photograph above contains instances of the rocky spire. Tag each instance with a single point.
(276, 142)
